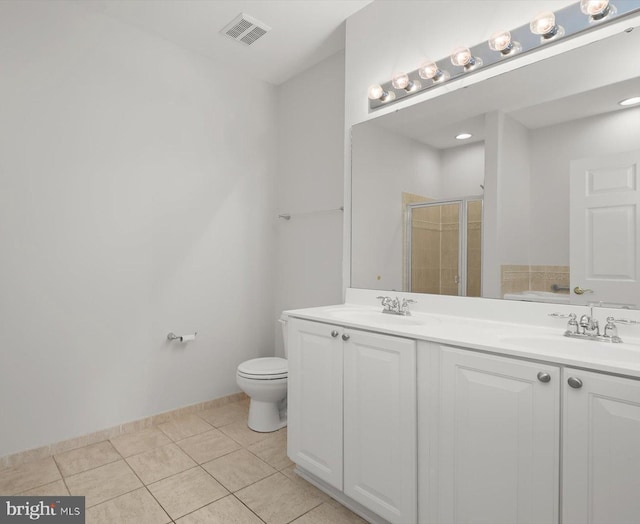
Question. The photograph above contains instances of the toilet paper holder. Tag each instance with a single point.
(182, 338)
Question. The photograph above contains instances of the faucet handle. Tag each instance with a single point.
(623, 320)
(610, 330)
(386, 302)
(404, 307)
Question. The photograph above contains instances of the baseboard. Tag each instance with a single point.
(31, 455)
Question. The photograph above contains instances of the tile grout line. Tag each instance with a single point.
(158, 502)
(241, 502)
(106, 464)
(64, 481)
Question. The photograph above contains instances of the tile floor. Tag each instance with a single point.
(204, 468)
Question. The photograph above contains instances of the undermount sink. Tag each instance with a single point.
(579, 347)
(375, 317)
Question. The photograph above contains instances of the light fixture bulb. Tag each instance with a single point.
(461, 56)
(544, 25)
(430, 71)
(501, 41)
(630, 101)
(463, 136)
(596, 9)
(400, 80)
(375, 92)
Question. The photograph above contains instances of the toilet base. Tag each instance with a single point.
(266, 417)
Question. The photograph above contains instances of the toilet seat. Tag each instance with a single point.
(269, 368)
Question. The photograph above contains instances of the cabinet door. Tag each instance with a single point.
(380, 458)
(601, 449)
(314, 437)
(498, 440)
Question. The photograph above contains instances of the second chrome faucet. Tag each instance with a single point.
(396, 306)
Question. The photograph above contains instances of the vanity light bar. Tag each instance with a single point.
(544, 30)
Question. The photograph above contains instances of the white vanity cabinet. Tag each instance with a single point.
(498, 434)
(314, 437)
(601, 449)
(380, 457)
(423, 432)
(369, 378)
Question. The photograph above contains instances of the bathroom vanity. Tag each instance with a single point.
(469, 410)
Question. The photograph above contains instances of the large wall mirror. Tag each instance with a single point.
(542, 203)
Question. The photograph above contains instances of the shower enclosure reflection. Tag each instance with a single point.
(443, 247)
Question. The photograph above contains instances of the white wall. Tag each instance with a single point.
(136, 198)
(552, 150)
(310, 179)
(514, 209)
(462, 170)
(388, 164)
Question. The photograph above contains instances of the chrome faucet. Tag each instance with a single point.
(588, 325)
(396, 306)
(589, 328)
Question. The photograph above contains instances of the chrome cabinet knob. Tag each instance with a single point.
(575, 382)
(334, 333)
(544, 377)
(345, 337)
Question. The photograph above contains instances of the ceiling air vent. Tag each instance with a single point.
(245, 29)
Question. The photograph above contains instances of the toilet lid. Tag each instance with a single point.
(269, 367)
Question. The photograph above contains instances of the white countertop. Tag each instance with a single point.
(526, 340)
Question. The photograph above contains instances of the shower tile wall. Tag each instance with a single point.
(474, 243)
(449, 249)
(435, 233)
(425, 250)
(516, 278)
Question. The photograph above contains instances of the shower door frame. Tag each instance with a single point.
(462, 236)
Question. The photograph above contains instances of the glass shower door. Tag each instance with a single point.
(443, 247)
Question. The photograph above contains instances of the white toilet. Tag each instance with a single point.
(264, 380)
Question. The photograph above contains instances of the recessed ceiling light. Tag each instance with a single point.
(463, 136)
(630, 101)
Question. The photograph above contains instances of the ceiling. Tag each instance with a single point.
(303, 32)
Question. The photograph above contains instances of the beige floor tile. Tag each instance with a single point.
(88, 457)
(297, 479)
(104, 483)
(184, 427)
(137, 507)
(48, 490)
(226, 414)
(238, 470)
(160, 463)
(24, 477)
(240, 432)
(335, 514)
(273, 450)
(208, 446)
(187, 492)
(228, 510)
(140, 441)
(278, 500)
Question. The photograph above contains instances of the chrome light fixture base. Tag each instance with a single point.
(569, 21)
